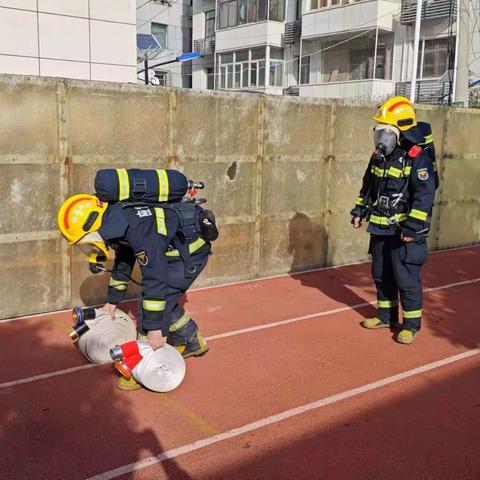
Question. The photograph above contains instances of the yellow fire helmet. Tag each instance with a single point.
(78, 219)
(397, 111)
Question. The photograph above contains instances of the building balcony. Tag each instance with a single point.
(350, 16)
(250, 35)
(434, 92)
(431, 9)
(361, 90)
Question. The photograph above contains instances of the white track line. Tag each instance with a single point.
(240, 282)
(221, 437)
(239, 332)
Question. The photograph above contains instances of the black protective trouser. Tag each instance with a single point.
(396, 270)
(178, 284)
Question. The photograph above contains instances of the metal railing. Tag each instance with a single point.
(293, 32)
(204, 45)
(426, 91)
(430, 9)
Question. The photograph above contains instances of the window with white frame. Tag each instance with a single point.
(247, 68)
(318, 4)
(162, 77)
(240, 12)
(159, 31)
(433, 57)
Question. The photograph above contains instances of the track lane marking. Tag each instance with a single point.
(234, 333)
(293, 412)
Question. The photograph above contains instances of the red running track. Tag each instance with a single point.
(292, 388)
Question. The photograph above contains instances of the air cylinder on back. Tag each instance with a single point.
(136, 185)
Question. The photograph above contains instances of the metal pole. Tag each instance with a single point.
(145, 64)
(375, 56)
(416, 42)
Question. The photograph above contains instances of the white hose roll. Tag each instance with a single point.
(104, 333)
(160, 370)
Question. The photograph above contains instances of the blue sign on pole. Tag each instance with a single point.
(189, 56)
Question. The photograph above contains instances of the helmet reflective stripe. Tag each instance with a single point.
(123, 184)
(66, 216)
(163, 186)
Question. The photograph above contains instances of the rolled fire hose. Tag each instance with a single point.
(104, 333)
(160, 370)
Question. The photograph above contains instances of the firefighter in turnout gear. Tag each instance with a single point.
(396, 198)
(145, 216)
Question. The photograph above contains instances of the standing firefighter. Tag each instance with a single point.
(396, 198)
(145, 216)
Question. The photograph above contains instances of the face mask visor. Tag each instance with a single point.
(93, 246)
(385, 138)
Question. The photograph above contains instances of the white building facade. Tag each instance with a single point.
(84, 39)
(355, 49)
(170, 22)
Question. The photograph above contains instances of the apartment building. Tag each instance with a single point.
(354, 49)
(85, 39)
(170, 22)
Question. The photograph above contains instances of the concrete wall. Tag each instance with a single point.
(281, 174)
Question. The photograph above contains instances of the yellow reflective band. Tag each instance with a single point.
(193, 247)
(154, 305)
(418, 214)
(123, 184)
(163, 186)
(387, 303)
(427, 139)
(181, 322)
(408, 170)
(161, 225)
(360, 201)
(401, 217)
(394, 172)
(412, 314)
(120, 285)
(379, 172)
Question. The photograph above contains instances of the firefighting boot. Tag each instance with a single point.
(407, 337)
(374, 323)
(186, 338)
(128, 385)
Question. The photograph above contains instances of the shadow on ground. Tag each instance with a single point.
(73, 428)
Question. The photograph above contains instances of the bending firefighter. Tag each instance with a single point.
(397, 198)
(145, 216)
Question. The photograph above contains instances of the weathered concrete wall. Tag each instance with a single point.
(281, 175)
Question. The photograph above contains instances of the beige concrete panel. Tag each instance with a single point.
(229, 186)
(30, 195)
(34, 273)
(232, 257)
(114, 73)
(460, 224)
(21, 4)
(64, 38)
(294, 186)
(353, 132)
(292, 245)
(297, 127)
(209, 125)
(345, 245)
(461, 179)
(18, 32)
(59, 68)
(18, 65)
(345, 184)
(122, 51)
(463, 132)
(118, 120)
(77, 8)
(114, 10)
(28, 116)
